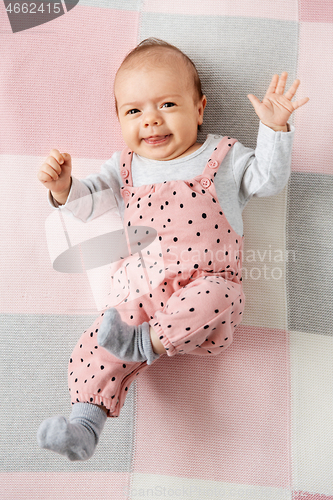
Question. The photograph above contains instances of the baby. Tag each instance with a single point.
(192, 195)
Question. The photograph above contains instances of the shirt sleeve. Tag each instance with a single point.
(93, 196)
(264, 171)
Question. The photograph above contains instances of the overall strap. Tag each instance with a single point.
(125, 166)
(218, 155)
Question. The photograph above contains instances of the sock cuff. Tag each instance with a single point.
(89, 413)
(146, 344)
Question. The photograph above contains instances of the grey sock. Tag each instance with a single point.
(76, 438)
(126, 342)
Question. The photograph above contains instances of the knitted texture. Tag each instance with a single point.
(254, 422)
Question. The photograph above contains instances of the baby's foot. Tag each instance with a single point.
(126, 342)
(76, 438)
(72, 440)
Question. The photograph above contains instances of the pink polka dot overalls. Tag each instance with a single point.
(186, 284)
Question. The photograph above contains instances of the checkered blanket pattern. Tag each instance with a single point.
(255, 423)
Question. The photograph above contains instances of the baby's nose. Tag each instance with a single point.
(152, 118)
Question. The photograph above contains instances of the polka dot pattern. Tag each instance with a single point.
(186, 282)
(199, 319)
(96, 376)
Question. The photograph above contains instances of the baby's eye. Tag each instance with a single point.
(168, 105)
(133, 111)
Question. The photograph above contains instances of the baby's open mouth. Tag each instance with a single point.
(156, 139)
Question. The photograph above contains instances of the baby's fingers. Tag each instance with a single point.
(272, 86)
(292, 91)
(254, 101)
(44, 177)
(51, 168)
(300, 102)
(54, 153)
(281, 84)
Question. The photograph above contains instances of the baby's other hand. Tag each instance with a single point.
(55, 174)
(276, 107)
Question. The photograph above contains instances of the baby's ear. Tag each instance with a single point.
(201, 108)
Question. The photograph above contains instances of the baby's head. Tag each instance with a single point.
(159, 101)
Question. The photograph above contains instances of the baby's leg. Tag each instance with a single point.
(201, 317)
(98, 384)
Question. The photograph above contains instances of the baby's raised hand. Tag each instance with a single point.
(55, 174)
(276, 107)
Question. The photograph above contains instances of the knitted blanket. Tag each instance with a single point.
(254, 423)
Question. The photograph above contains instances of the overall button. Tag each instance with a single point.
(124, 174)
(205, 183)
(126, 194)
(213, 164)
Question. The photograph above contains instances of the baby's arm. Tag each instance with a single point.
(55, 174)
(85, 199)
(275, 109)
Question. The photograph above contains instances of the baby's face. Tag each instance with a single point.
(158, 111)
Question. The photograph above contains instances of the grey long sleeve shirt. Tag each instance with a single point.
(244, 173)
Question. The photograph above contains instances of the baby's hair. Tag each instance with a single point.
(153, 47)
